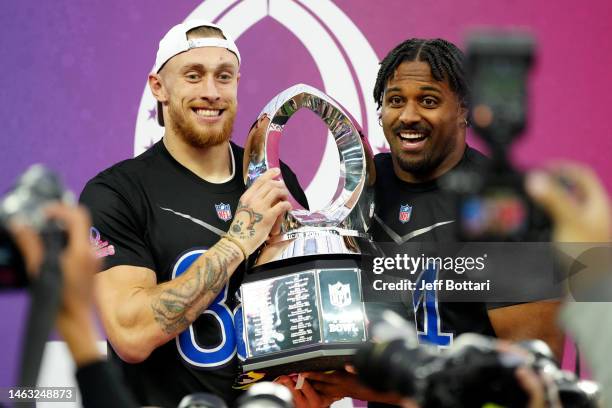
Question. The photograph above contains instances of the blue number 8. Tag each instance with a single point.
(186, 342)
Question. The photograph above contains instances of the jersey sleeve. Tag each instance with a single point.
(117, 234)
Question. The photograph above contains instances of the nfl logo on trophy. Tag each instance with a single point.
(340, 294)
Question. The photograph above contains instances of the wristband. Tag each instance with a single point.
(238, 244)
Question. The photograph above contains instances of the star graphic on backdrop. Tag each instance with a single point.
(153, 113)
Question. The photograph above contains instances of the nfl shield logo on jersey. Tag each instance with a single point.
(404, 213)
(224, 212)
(340, 294)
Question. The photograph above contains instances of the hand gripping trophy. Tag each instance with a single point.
(302, 303)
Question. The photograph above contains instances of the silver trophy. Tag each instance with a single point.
(301, 301)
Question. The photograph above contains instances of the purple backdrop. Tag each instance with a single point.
(74, 72)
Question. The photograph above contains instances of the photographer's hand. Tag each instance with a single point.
(342, 383)
(575, 199)
(31, 247)
(306, 396)
(75, 320)
(537, 389)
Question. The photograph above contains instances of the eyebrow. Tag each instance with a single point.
(226, 65)
(393, 89)
(201, 67)
(430, 88)
(422, 88)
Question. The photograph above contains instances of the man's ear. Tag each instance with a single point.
(238, 78)
(157, 87)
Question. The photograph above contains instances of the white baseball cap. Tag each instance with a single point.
(175, 42)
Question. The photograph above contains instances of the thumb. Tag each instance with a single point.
(276, 228)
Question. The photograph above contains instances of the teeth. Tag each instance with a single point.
(411, 136)
(207, 112)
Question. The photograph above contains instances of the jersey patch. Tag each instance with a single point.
(224, 211)
(101, 248)
(404, 213)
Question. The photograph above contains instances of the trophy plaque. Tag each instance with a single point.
(302, 303)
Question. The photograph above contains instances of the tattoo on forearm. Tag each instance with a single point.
(227, 250)
(171, 306)
(239, 229)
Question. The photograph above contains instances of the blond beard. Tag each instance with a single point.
(199, 138)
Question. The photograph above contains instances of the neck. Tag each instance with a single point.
(212, 163)
(446, 165)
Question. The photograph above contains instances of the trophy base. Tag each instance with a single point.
(319, 358)
(302, 315)
(316, 359)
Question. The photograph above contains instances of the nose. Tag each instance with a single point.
(208, 90)
(410, 113)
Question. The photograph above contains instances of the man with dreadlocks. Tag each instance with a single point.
(424, 102)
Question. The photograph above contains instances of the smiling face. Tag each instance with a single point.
(423, 121)
(198, 90)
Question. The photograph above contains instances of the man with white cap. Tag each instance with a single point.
(175, 224)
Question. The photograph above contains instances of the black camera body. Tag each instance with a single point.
(474, 371)
(492, 204)
(25, 203)
(466, 376)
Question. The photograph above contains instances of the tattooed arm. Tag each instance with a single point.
(139, 314)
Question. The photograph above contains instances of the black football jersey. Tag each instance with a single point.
(408, 212)
(423, 212)
(151, 211)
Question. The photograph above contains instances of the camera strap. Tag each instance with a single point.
(45, 302)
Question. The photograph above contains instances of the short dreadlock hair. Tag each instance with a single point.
(444, 58)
